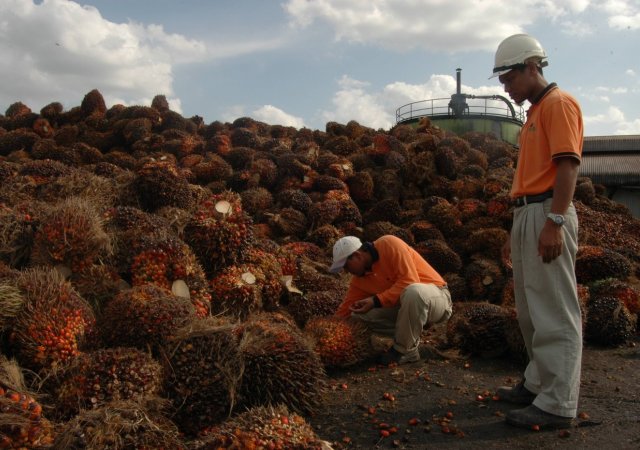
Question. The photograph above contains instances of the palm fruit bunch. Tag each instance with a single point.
(144, 317)
(609, 322)
(120, 425)
(271, 286)
(312, 276)
(294, 198)
(22, 424)
(220, 232)
(209, 168)
(54, 323)
(160, 183)
(11, 302)
(166, 261)
(374, 230)
(319, 303)
(16, 236)
(97, 284)
(71, 235)
(255, 201)
(279, 366)
(304, 250)
(485, 279)
(438, 253)
(597, 263)
(617, 231)
(487, 241)
(45, 171)
(478, 328)
(236, 291)
(96, 378)
(203, 373)
(350, 214)
(613, 287)
(340, 342)
(99, 191)
(513, 337)
(289, 222)
(125, 226)
(423, 230)
(324, 236)
(261, 428)
(445, 216)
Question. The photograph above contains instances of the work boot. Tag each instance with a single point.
(392, 356)
(518, 394)
(533, 418)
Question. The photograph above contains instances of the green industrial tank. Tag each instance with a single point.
(463, 112)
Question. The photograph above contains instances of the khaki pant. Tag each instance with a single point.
(548, 310)
(419, 304)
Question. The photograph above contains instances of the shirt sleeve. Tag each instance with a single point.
(564, 121)
(353, 295)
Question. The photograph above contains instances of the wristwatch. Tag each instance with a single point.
(557, 219)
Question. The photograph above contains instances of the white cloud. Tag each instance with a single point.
(630, 72)
(611, 90)
(275, 116)
(463, 25)
(623, 14)
(353, 102)
(613, 118)
(576, 28)
(57, 50)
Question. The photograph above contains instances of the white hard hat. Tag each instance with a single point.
(516, 50)
(342, 249)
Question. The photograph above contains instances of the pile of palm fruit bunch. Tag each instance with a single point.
(148, 258)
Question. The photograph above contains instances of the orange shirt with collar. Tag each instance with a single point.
(553, 129)
(398, 266)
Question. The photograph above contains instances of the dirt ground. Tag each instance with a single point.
(445, 401)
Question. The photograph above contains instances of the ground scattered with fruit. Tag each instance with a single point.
(446, 401)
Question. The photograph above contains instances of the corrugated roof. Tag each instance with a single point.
(612, 144)
(612, 160)
(612, 170)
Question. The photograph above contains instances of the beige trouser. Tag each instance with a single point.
(419, 304)
(548, 310)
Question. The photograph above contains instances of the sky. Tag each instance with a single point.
(304, 63)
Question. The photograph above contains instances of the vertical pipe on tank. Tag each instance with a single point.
(458, 83)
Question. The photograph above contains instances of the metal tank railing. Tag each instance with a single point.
(480, 105)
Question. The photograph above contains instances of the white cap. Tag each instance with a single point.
(342, 249)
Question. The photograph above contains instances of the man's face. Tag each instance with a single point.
(356, 264)
(516, 83)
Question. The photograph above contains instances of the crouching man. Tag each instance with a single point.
(393, 290)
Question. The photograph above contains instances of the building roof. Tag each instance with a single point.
(612, 161)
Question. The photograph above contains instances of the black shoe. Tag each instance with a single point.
(392, 356)
(518, 394)
(533, 418)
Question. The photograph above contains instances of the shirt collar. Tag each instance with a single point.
(544, 92)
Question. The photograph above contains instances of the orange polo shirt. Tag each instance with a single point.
(398, 266)
(553, 129)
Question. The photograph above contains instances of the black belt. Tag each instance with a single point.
(526, 199)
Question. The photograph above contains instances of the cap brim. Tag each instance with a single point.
(337, 265)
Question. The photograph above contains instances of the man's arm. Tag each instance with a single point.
(551, 237)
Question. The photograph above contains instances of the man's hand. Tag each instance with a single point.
(550, 242)
(362, 306)
(506, 253)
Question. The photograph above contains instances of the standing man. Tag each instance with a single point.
(393, 290)
(544, 239)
